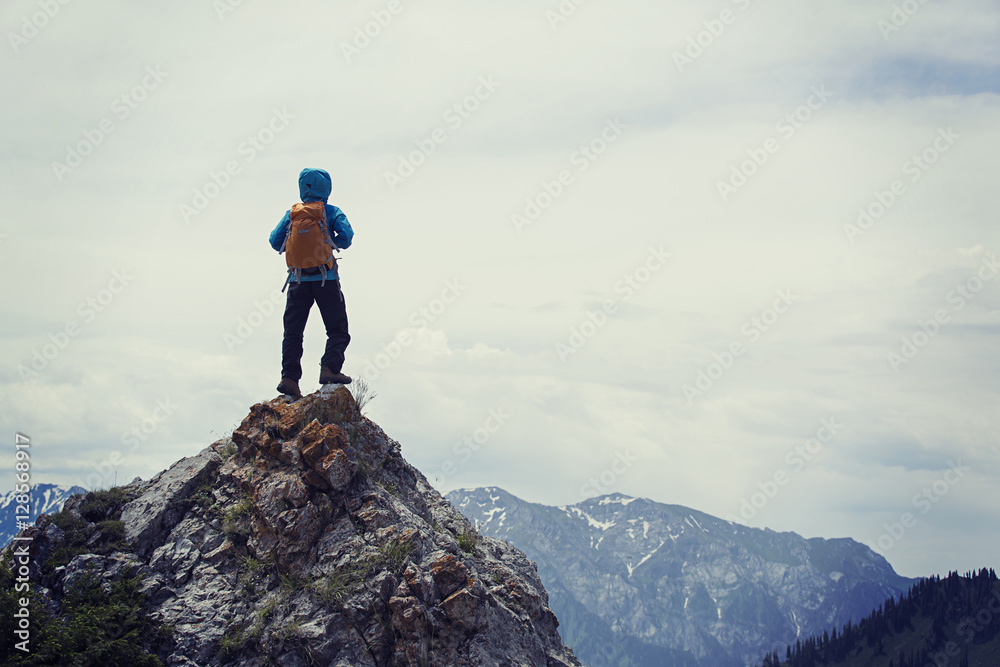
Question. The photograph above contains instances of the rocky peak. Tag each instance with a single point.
(305, 538)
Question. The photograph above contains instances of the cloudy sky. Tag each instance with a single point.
(733, 255)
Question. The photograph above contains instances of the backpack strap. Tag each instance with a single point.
(284, 243)
(326, 234)
(329, 239)
(287, 234)
(326, 229)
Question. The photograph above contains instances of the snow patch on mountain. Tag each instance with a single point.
(716, 592)
(591, 521)
(44, 499)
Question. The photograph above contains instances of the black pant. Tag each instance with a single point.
(332, 308)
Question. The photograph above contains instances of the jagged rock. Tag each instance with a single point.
(105, 569)
(306, 539)
(159, 508)
(420, 584)
(449, 574)
(461, 607)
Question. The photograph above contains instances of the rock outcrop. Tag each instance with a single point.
(304, 539)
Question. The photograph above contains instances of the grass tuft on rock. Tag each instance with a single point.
(468, 540)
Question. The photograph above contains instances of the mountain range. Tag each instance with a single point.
(637, 583)
(45, 499)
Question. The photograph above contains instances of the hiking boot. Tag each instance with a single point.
(290, 387)
(326, 376)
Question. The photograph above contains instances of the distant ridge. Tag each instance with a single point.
(45, 499)
(635, 582)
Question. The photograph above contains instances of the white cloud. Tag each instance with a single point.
(164, 336)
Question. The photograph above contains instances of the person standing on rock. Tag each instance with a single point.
(308, 234)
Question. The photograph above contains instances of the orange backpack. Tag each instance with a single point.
(308, 247)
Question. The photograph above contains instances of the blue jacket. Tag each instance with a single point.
(315, 185)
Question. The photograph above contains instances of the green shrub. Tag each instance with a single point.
(101, 513)
(93, 628)
(106, 504)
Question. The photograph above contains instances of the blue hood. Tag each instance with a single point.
(314, 185)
